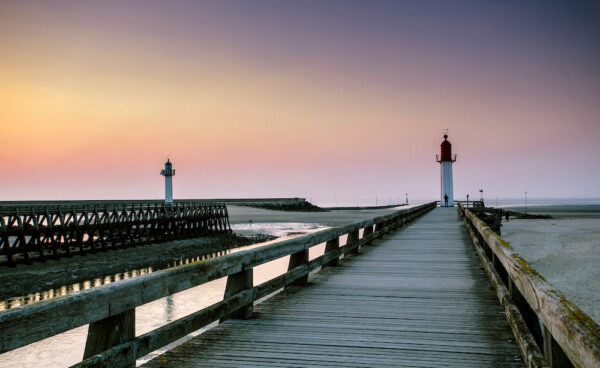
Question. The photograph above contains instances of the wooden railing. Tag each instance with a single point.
(46, 231)
(550, 330)
(110, 309)
(468, 204)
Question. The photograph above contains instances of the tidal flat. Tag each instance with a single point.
(565, 250)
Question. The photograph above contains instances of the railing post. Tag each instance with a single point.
(332, 245)
(531, 319)
(299, 259)
(368, 232)
(109, 332)
(237, 282)
(397, 223)
(379, 229)
(352, 239)
(554, 354)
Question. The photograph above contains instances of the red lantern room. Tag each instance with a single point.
(446, 151)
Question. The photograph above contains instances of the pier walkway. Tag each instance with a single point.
(417, 298)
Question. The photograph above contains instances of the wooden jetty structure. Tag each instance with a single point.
(382, 297)
(39, 230)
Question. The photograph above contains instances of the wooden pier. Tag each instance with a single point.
(418, 297)
(445, 290)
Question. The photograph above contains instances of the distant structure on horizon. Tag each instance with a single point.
(446, 160)
(168, 172)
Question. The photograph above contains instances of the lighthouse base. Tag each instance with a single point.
(447, 193)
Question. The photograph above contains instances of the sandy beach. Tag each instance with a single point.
(565, 250)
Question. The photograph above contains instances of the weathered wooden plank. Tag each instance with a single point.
(34, 322)
(351, 240)
(574, 331)
(332, 246)
(237, 283)
(144, 344)
(110, 332)
(529, 349)
(296, 260)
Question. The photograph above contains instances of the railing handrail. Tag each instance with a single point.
(30, 323)
(8, 207)
(577, 333)
(25, 208)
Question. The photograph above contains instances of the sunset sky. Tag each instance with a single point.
(316, 99)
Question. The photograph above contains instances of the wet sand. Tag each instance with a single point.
(565, 250)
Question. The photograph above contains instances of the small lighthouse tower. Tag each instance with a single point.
(168, 173)
(446, 160)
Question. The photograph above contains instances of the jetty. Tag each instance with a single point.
(40, 230)
(424, 286)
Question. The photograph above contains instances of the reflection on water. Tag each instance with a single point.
(83, 285)
(277, 229)
(67, 348)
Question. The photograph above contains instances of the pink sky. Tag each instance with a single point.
(309, 99)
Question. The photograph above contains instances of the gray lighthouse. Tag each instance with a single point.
(168, 172)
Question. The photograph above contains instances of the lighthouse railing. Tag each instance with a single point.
(110, 308)
(542, 318)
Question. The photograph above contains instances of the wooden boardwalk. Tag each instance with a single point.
(417, 298)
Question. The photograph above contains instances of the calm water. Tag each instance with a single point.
(278, 229)
(66, 349)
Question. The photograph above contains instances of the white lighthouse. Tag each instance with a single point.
(446, 160)
(168, 172)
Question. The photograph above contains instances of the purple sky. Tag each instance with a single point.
(306, 98)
